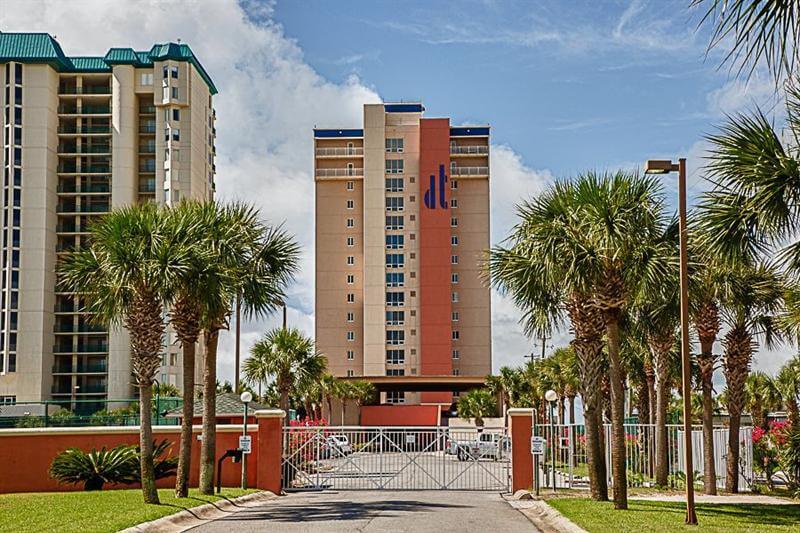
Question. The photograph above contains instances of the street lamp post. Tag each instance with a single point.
(551, 396)
(246, 398)
(665, 167)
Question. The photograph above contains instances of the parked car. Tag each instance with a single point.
(339, 443)
(486, 445)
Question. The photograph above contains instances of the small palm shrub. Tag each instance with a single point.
(117, 465)
(96, 468)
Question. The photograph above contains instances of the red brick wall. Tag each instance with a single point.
(400, 415)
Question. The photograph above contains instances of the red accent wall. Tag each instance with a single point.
(400, 415)
(434, 257)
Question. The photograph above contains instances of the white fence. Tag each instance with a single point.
(565, 463)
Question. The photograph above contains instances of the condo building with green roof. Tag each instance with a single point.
(82, 136)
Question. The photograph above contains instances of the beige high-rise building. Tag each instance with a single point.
(402, 220)
(81, 136)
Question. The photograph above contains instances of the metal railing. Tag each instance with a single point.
(73, 412)
(468, 150)
(345, 151)
(395, 458)
(90, 89)
(469, 171)
(85, 129)
(332, 172)
(566, 450)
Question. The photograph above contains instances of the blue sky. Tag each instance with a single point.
(566, 85)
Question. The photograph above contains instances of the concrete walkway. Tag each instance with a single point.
(411, 511)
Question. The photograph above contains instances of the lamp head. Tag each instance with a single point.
(551, 395)
(659, 166)
(246, 397)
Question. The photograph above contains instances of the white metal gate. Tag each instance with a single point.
(397, 458)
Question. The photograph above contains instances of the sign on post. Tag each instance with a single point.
(537, 445)
(245, 443)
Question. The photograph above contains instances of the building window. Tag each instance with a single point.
(395, 242)
(176, 134)
(351, 279)
(147, 78)
(456, 372)
(351, 222)
(453, 203)
(394, 166)
(395, 397)
(454, 316)
(453, 259)
(349, 373)
(453, 184)
(351, 298)
(395, 372)
(394, 203)
(395, 318)
(394, 185)
(351, 316)
(350, 185)
(394, 145)
(454, 297)
(395, 299)
(350, 204)
(454, 277)
(454, 240)
(456, 354)
(174, 71)
(395, 357)
(176, 114)
(395, 260)
(394, 222)
(351, 336)
(395, 337)
(455, 335)
(351, 260)
(351, 355)
(174, 93)
(454, 221)
(395, 279)
(165, 70)
(351, 241)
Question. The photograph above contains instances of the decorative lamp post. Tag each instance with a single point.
(246, 398)
(551, 396)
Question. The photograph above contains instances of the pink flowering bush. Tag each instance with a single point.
(768, 448)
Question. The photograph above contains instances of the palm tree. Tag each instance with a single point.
(327, 386)
(255, 372)
(127, 275)
(505, 386)
(555, 369)
(245, 260)
(535, 267)
(363, 393)
(752, 297)
(344, 391)
(788, 384)
(761, 396)
(477, 404)
(759, 31)
(289, 357)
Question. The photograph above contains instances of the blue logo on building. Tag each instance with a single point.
(430, 194)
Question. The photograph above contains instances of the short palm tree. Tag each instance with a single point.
(363, 393)
(290, 358)
(128, 275)
(95, 468)
(505, 385)
(477, 404)
(788, 384)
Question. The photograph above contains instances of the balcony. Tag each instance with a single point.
(70, 228)
(83, 208)
(85, 130)
(84, 149)
(340, 152)
(97, 367)
(148, 186)
(147, 128)
(334, 172)
(89, 89)
(147, 148)
(148, 167)
(80, 328)
(85, 169)
(147, 110)
(85, 188)
(84, 110)
(81, 348)
(469, 171)
(469, 150)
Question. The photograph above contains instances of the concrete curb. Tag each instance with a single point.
(201, 514)
(544, 517)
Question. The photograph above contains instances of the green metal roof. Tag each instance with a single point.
(43, 48)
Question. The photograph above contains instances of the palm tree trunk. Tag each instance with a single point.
(662, 455)
(561, 409)
(208, 447)
(185, 454)
(149, 491)
(618, 459)
(572, 409)
(706, 362)
(284, 399)
(738, 353)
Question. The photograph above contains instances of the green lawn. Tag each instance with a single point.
(668, 516)
(103, 511)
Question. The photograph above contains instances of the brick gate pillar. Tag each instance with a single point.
(520, 421)
(270, 449)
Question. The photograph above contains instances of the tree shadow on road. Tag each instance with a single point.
(337, 510)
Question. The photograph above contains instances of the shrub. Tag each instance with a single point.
(96, 468)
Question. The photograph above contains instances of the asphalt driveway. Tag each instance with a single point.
(413, 511)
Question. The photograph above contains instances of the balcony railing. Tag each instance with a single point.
(85, 169)
(147, 167)
(332, 172)
(84, 110)
(88, 368)
(469, 150)
(84, 129)
(89, 89)
(147, 148)
(70, 228)
(345, 151)
(102, 149)
(469, 171)
(147, 128)
(84, 208)
(86, 188)
(81, 348)
(148, 186)
(80, 328)
(147, 110)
